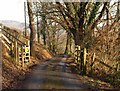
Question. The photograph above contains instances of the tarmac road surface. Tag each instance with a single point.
(53, 74)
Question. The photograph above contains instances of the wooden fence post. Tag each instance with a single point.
(84, 61)
(16, 52)
(23, 57)
(77, 56)
(118, 66)
(28, 44)
(27, 53)
(12, 49)
(83, 53)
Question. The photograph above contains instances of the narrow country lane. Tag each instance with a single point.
(53, 74)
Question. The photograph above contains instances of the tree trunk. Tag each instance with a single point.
(53, 42)
(44, 28)
(67, 49)
(70, 44)
(32, 28)
(38, 31)
(80, 42)
(78, 38)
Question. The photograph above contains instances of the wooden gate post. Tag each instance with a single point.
(77, 56)
(16, 52)
(23, 57)
(12, 49)
(84, 61)
(28, 44)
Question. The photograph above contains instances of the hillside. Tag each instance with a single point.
(13, 24)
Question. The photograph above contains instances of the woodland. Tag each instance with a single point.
(91, 25)
(60, 27)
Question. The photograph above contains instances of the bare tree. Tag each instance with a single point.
(32, 27)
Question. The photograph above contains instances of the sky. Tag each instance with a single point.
(12, 10)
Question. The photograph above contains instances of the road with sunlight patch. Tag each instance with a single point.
(57, 73)
(53, 74)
